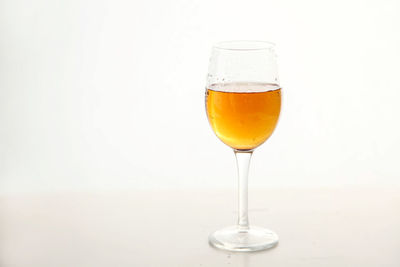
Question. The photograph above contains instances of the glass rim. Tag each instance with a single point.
(244, 45)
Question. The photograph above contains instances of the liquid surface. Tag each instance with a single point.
(243, 115)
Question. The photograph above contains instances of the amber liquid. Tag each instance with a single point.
(243, 115)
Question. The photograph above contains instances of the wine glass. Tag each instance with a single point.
(243, 102)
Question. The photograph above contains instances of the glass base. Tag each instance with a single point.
(235, 239)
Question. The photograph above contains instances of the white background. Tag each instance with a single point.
(104, 95)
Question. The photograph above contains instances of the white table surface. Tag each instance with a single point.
(317, 227)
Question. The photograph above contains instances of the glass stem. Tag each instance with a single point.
(243, 163)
